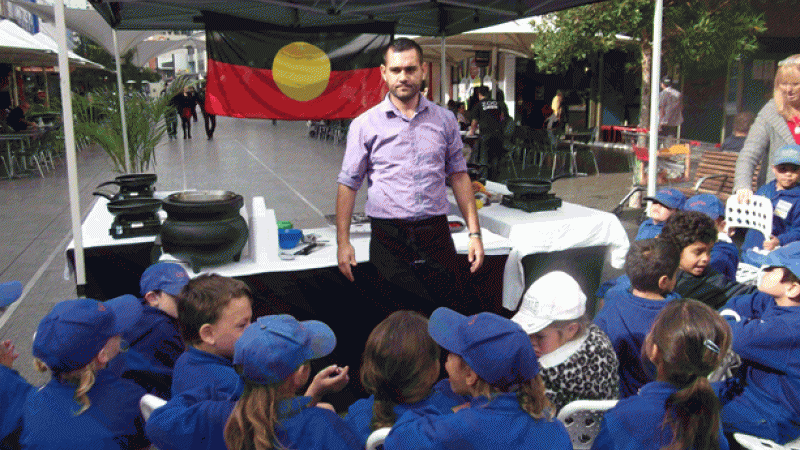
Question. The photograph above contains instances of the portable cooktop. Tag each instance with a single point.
(125, 226)
(532, 202)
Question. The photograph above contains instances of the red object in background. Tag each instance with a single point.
(41, 95)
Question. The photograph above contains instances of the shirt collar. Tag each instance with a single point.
(388, 107)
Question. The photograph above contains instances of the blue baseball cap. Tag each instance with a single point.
(75, 331)
(669, 197)
(164, 276)
(9, 293)
(497, 349)
(707, 204)
(787, 256)
(273, 347)
(788, 154)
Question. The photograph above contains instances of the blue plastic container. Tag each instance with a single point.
(289, 238)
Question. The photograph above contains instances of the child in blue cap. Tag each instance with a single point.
(84, 406)
(664, 203)
(679, 409)
(784, 192)
(766, 335)
(400, 369)
(492, 361)
(272, 356)
(155, 342)
(724, 256)
(13, 388)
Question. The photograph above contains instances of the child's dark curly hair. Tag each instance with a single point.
(687, 227)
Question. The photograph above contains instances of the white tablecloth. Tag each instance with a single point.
(570, 226)
(261, 255)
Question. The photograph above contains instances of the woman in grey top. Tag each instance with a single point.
(776, 125)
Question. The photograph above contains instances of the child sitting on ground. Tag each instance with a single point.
(399, 368)
(695, 234)
(155, 342)
(576, 356)
(664, 203)
(84, 406)
(679, 410)
(766, 332)
(213, 311)
(491, 360)
(724, 257)
(272, 356)
(629, 309)
(784, 192)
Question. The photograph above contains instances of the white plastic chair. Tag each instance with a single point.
(149, 403)
(756, 215)
(582, 420)
(376, 438)
(757, 443)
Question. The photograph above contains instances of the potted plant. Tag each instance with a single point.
(98, 121)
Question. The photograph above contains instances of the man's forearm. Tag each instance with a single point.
(345, 201)
(462, 190)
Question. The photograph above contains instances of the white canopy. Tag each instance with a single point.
(17, 46)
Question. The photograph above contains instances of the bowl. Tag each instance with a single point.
(289, 238)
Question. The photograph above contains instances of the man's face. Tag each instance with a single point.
(403, 74)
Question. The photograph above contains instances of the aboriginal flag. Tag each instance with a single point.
(257, 70)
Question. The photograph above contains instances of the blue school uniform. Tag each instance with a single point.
(189, 420)
(195, 368)
(13, 392)
(724, 259)
(767, 338)
(627, 319)
(155, 344)
(359, 414)
(785, 216)
(636, 423)
(712, 288)
(649, 229)
(112, 421)
(485, 425)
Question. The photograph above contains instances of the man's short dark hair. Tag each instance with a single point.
(402, 44)
(650, 259)
(743, 121)
(687, 227)
(483, 91)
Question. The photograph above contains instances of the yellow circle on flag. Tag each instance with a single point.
(301, 71)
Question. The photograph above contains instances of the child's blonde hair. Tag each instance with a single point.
(83, 378)
(251, 425)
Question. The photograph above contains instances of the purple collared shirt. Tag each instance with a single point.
(405, 160)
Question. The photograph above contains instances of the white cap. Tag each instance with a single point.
(554, 296)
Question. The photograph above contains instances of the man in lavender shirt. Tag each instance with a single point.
(406, 147)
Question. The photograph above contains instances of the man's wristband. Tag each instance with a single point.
(476, 234)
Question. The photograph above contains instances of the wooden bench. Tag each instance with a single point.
(715, 175)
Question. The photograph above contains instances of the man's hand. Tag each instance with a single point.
(330, 379)
(346, 255)
(744, 195)
(475, 256)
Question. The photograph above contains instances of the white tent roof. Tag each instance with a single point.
(148, 49)
(74, 58)
(89, 23)
(17, 46)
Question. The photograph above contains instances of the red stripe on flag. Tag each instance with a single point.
(240, 91)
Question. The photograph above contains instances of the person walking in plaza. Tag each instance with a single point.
(776, 125)
(185, 102)
(407, 147)
(670, 107)
(488, 114)
(209, 120)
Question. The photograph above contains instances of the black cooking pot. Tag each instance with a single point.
(202, 205)
(130, 186)
(134, 206)
(530, 186)
(204, 228)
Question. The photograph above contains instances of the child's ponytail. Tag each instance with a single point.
(84, 378)
(687, 342)
(693, 415)
(251, 425)
(533, 400)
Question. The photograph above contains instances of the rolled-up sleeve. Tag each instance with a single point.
(455, 162)
(356, 157)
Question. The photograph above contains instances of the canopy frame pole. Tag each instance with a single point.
(69, 145)
(121, 103)
(443, 72)
(655, 76)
